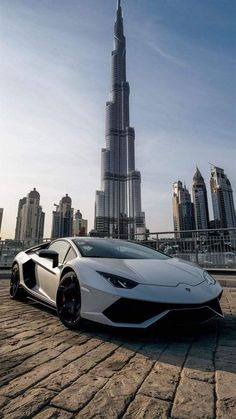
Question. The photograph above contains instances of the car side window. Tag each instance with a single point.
(70, 255)
(61, 247)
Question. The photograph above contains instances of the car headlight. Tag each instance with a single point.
(118, 281)
(208, 278)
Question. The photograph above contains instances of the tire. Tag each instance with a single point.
(16, 290)
(68, 301)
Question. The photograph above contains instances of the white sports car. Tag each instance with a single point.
(114, 282)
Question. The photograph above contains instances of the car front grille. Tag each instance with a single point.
(126, 310)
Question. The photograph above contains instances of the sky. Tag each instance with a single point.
(55, 79)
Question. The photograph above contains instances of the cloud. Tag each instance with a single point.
(166, 55)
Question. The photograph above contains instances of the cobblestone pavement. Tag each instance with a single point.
(48, 371)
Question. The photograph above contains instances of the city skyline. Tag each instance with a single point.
(54, 83)
(189, 211)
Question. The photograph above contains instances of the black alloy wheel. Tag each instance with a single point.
(16, 291)
(69, 301)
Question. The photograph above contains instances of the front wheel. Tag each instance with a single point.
(16, 291)
(69, 301)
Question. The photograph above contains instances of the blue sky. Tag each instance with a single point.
(55, 80)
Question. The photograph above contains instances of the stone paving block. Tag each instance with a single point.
(27, 404)
(126, 381)
(226, 409)
(225, 384)
(194, 399)
(224, 365)
(78, 394)
(174, 355)
(3, 400)
(17, 344)
(147, 408)
(28, 365)
(160, 385)
(228, 354)
(53, 413)
(103, 409)
(227, 341)
(20, 384)
(112, 399)
(75, 369)
(153, 350)
(78, 350)
(199, 369)
(41, 344)
(113, 363)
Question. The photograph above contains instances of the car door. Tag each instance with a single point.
(47, 276)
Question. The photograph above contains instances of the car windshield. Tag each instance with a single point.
(116, 249)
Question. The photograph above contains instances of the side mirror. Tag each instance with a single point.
(50, 254)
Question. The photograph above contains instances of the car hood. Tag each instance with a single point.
(168, 272)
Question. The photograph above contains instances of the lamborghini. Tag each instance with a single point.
(114, 282)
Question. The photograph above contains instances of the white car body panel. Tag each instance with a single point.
(170, 281)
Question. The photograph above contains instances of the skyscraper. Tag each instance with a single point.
(62, 219)
(222, 199)
(80, 226)
(19, 218)
(1, 215)
(30, 218)
(118, 210)
(200, 203)
(183, 211)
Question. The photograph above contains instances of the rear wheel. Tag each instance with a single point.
(16, 291)
(69, 301)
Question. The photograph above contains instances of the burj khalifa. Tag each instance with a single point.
(118, 210)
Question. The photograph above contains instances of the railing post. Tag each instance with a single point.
(157, 242)
(196, 248)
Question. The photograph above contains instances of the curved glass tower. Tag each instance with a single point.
(118, 211)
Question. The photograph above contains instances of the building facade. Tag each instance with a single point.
(199, 194)
(118, 210)
(80, 226)
(183, 210)
(1, 216)
(62, 219)
(30, 218)
(222, 199)
(22, 202)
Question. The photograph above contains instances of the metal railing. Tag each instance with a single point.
(214, 249)
(9, 249)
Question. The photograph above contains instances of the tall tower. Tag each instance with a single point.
(62, 218)
(30, 218)
(118, 211)
(22, 202)
(222, 199)
(1, 215)
(183, 212)
(80, 226)
(200, 203)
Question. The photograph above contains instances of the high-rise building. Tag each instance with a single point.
(200, 202)
(222, 199)
(183, 211)
(62, 219)
(80, 226)
(1, 215)
(118, 210)
(30, 218)
(22, 202)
